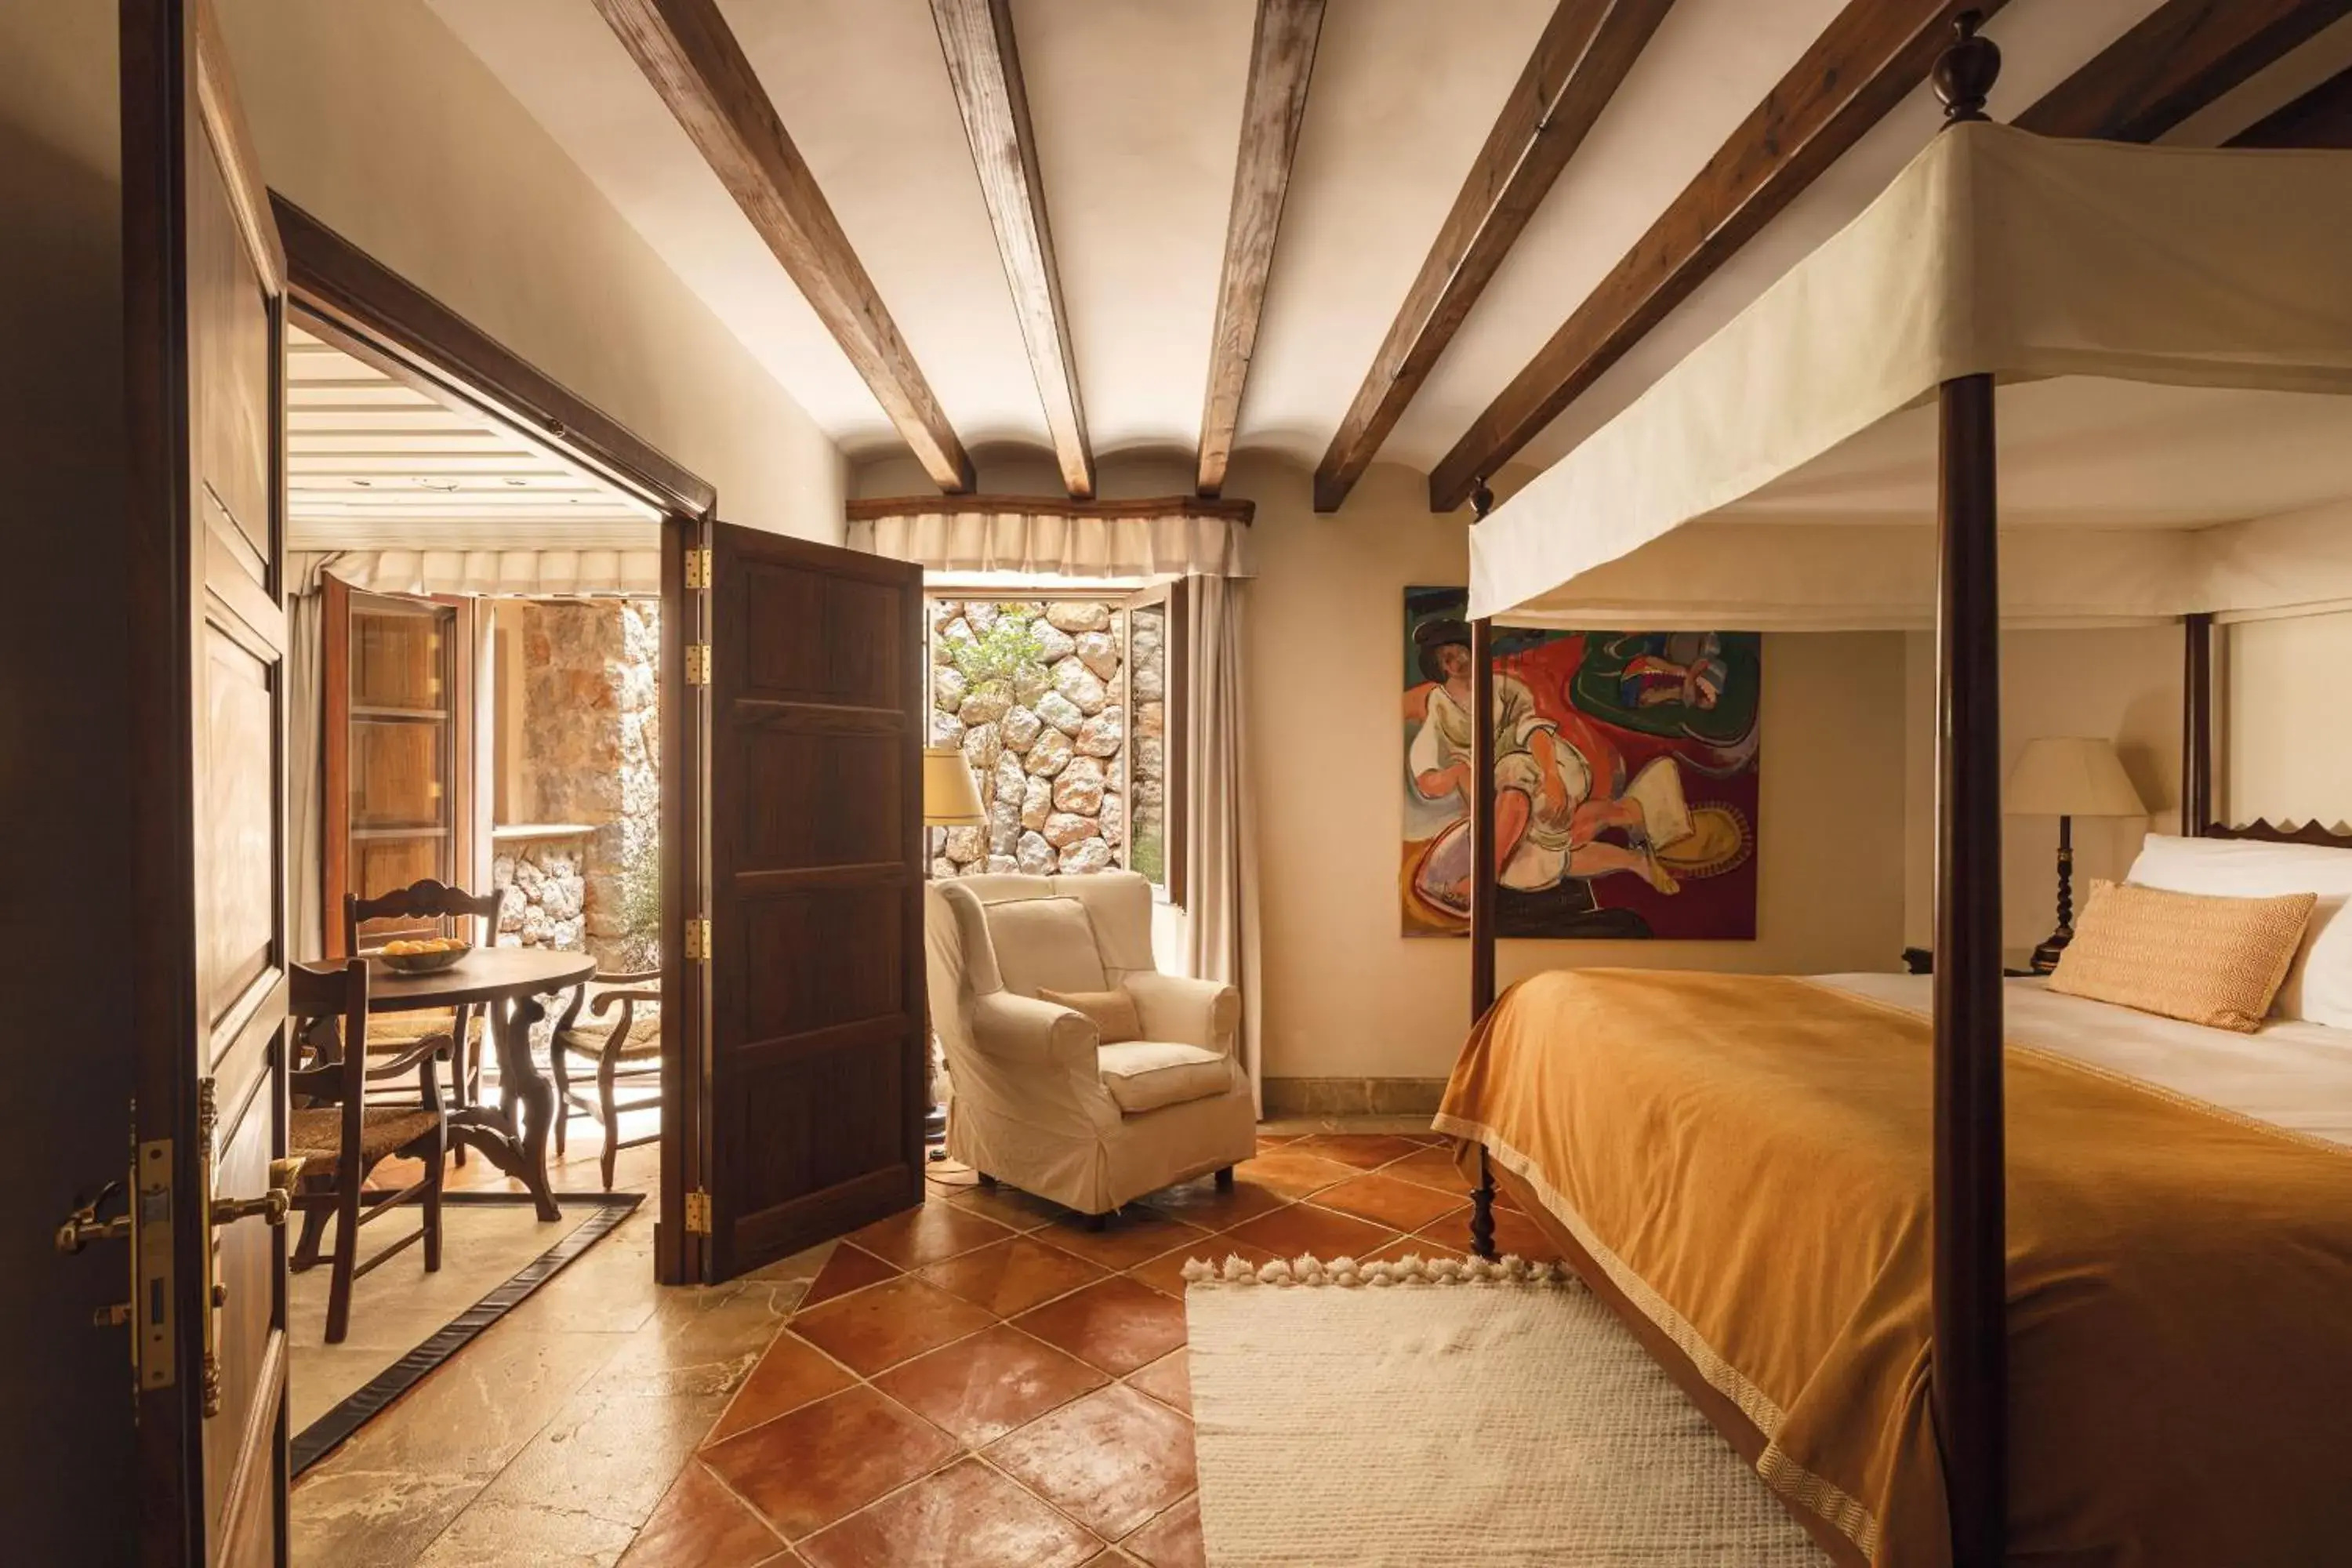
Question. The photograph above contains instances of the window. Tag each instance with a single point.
(1065, 706)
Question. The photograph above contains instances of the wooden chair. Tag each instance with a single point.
(340, 1137)
(401, 1034)
(628, 1052)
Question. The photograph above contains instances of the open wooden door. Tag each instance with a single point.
(811, 1106)
(204, 281)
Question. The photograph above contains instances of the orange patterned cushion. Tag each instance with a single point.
(1113, 1012)
(2193, 956)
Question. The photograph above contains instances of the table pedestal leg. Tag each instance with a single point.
(488, 1129)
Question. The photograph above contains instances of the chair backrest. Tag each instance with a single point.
(1029, 929)
(329, 1005)
(428, 900)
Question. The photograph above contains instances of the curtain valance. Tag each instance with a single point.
(1177, 536)
(529, 574)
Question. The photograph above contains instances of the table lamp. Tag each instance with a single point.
(951, 798)
(2067, 776)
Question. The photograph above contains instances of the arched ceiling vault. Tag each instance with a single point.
(1450, 236)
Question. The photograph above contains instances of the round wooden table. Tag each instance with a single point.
(506, 983)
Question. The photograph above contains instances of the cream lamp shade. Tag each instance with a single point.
(2070, 775)
(951, 799)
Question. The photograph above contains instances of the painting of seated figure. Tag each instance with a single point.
(1625, 779)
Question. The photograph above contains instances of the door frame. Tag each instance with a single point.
(351, 300)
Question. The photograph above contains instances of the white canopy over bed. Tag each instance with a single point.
(2172, 331)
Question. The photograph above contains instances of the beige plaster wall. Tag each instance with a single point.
(378, 121)
(1346, 996)
(2119, 683)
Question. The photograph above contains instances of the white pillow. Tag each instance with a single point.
(1045, 945)
(2318, 988)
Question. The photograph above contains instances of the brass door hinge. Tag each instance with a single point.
(697, 939)
(698, 1214)
(697, 568)
(698, 664)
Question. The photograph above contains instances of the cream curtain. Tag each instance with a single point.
(1169, 538)
(1220, 909)
(527, 574)
(306, 764)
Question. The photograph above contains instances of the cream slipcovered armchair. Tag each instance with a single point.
(1038, 1100)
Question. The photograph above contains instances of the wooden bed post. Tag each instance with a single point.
(2196, 726)
(1970, 1343)
(1482, 871)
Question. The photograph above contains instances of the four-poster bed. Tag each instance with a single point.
(2074, 274)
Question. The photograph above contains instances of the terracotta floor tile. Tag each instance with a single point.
(886, 1324)
(967, 1515)
(1202, 1202)
(1431, 1168)
(1172, 1541)
(1116, 1324)
(1365, 1151)
(927, 1233)
(1167, 1380)
(790, 1373)
(1384, 1200)
(1110, 1461)
(700, 1524)
(1008, 1206)
(847, 1270)
(1012, 1277)
(982, 1388)
(1304, 1229)
(1292, 1171)
(1516, 1236)
(1165, 1273)
(1275, 1140)
(1133, 1236)
(826, 1462)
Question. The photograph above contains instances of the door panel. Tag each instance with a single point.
(203, 306)
(818, 1029)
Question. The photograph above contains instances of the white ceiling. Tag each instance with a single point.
(1137, 105)
(373, 463)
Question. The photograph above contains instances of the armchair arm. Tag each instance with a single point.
(1186, 1012)
(434, 1049)
(1027, 1032)
(604, 1000)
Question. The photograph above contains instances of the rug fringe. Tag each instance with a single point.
(1409, 1269)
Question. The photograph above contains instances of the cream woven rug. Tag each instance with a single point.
(1410, 1415)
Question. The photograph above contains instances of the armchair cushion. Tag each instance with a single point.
(1047, 944)
(1144, 1075)
(1113, 1011)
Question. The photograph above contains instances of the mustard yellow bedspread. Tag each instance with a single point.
(1748, 1158)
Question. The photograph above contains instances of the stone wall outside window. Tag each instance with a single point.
(1046, 733)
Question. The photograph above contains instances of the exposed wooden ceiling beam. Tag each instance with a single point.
(984, 67)
(1865, 62)
(1274, 104)
(1584, 53)
(686, 51)
(2180, 58)
(2320, 118)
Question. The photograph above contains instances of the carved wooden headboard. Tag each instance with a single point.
(2197, 812)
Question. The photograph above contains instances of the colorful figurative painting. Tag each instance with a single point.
(1625, 779)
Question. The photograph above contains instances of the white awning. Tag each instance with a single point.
(2173, 332)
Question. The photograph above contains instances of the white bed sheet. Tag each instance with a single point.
(2293, 1075)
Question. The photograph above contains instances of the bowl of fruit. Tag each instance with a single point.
(423, 955)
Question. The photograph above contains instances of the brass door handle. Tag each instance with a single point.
(273, 1205)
